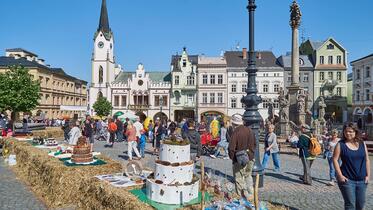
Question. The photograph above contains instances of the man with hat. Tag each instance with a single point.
(242, 140)
(304, 155)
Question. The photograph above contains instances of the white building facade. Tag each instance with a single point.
(143, 94)
(212, 88)
(269, 80)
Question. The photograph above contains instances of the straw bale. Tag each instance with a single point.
(58, 185)
(53, 132)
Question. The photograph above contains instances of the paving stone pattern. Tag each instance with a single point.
(282, 188)
(14, 194)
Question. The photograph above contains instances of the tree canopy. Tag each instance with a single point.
(102, 107)
(18, 91)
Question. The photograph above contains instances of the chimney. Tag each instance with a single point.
(244, 53)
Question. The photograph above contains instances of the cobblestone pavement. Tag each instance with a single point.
(282, 188)
(14, 194)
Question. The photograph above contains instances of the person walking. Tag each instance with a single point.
(74, 133)
(241, 151)
(88, 130)
(138, 126)
(112, 127)
(223, 143)
(120, 128)
(271, 149)
(132, 141)
(354, 173)
(142, 143)
(194, 138)
(304, 154)
(330, 146)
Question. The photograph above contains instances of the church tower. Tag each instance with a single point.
(103, 63)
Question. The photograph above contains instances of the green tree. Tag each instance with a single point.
(102, 107)
(18, 91)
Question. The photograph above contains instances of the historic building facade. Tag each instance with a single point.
(212, 88)
(184, 86)
(362, 93)
(269, 81)
(61, 95)
(139, 92)
(329, 59)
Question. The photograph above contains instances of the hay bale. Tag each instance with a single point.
(50, 132)
(59, 185)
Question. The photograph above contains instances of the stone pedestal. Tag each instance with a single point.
(294, 115)
(285, 130)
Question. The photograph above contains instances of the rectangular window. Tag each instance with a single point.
(190, 80)
(358, 74)
(321, 77)
(212, 79)
(220, 98)
(124, 100)
(234, 74)
(265, 88)
(289, 78)
(164, 101)
(156, 100)
(339, 59)
(177, 99)
(177, 80)
(212, 98)
(204, 98)
(330, 59)
(276, 88)
(330, 75)
(367, 94)
(321, 60)
(190, 98)
(367, 73)
(116, 100)
(233, 102)
(265, 103)
(305, 77)
(276, 104)
(339, 76)
(234, 88)
(244, 87)
(184, 63)
(220, 79)
(357, 95)
(339, 91)
(204, 79)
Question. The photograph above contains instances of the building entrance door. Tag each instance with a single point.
(183, 114)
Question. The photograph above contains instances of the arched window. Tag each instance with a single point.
(100, 75)
(99, 95)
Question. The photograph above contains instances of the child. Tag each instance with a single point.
(142, 143)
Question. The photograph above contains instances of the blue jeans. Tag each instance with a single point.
(142, 150)
(275, 158)
(332, 169)
(224, 145)
(354, 193)
(119, 136)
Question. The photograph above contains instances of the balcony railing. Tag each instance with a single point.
(139, 107)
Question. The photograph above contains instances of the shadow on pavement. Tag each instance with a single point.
(321, 181)
(282, 177)
(281, 204)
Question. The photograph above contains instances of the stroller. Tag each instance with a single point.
(208, 143)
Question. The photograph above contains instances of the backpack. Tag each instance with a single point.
(315, 147)
(112, 127)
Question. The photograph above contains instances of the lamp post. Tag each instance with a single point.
(251, 115)
(195, 82)
(161, 106)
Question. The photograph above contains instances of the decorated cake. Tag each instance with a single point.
(82, 152)
(173, 181)
(50, 142)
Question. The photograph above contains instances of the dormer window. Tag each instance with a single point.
(184, 62)
(330, 47)
(301, 62)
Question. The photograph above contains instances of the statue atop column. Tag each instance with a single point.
(295, 15)
(322, 107)
(284, 106)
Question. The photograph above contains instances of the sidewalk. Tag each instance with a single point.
(14, 194)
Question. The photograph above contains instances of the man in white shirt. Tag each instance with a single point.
(74, 133)
(138, 126)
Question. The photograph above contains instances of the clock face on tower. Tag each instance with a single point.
(100, 45)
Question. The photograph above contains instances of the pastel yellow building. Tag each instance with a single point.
(61, 95)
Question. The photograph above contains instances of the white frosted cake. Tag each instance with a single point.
(173, 182)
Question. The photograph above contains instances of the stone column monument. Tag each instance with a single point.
(295, 92)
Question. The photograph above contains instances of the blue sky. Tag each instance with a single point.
(149, 31)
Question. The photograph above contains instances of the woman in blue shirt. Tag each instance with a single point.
(354, 173)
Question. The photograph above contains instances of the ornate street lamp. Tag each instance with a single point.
(161, 106)
(251, 116)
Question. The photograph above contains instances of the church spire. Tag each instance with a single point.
(104, 21)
